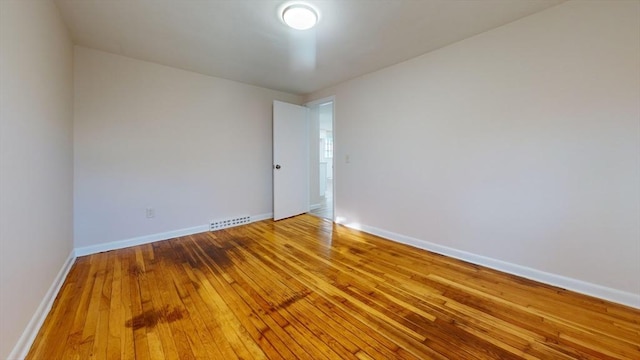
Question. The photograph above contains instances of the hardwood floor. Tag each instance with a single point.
(305, 288)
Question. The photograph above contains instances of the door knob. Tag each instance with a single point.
(277, 167)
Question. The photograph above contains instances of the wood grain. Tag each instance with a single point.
(308, 289)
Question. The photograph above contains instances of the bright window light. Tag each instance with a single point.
(300, 16)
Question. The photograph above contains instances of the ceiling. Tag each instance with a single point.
(244, 40)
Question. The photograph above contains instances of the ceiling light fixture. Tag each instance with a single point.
(300, 16)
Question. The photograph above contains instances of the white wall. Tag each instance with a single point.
(520, 144)
(314, 156)
(36, 158)
(193, 147)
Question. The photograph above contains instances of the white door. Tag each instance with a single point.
(290, 160)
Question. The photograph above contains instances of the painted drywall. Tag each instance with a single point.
(36, 159)
(314, 156)
(194, 148)
(521, 144)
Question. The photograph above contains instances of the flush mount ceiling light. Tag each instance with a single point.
(300, 16)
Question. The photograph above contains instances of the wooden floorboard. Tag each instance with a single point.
(304, 288)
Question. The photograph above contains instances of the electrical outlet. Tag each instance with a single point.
(151, 213)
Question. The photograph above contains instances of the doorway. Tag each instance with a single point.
(321, 174)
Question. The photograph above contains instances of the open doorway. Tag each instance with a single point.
(321, 174)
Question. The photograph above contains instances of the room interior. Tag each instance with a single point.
(501, 135)
(321, 153)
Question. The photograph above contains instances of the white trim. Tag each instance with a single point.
(261, 217)
(324, 100)
(579, 286)
(140, 240)
(22, 347)
(315, 206)
(146, 239)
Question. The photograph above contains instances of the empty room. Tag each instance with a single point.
(321, 179)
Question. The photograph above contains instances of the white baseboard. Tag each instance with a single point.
(22, 347)
(579, 286)
(146, 239)
(261, 217)
(140, 240)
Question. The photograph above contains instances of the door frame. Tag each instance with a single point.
(318, 102)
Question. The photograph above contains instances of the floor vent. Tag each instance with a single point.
(227, 223)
